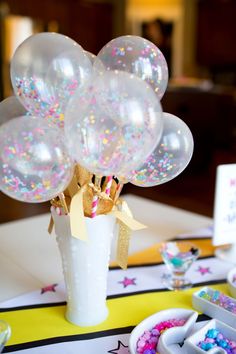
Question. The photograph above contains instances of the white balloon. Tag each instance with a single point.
(10, 108)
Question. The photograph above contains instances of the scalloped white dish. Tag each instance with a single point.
(231, 279)
(172, 336)
(190, 344)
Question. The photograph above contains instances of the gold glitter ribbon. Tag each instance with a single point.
(122, 250)
(50, 226)
(127, 224)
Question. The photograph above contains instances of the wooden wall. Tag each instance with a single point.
(91, 23)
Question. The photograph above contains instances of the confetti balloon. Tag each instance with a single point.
(135, 55)
(34, 164)
(118, 123)
(169, 158)
(90, 56)
(46, 70)
(11, 108)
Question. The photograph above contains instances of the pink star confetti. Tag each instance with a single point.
(49, 288)
(203, 270)
(127, 281)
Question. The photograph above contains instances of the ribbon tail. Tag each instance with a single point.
(50, 226)
(77, 219)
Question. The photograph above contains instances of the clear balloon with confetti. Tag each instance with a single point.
(34, 163)
(118, 124)
(90, 56)
(46, 70)
(170, 157)
(136, 55)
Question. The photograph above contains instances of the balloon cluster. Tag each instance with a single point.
(100, 112)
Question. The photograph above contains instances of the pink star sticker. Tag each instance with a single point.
(49, 288)
(203, 270)
(121, 349)
(127, 281)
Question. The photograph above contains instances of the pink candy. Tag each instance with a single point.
(147, 342)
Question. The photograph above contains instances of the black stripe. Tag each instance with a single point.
(71, 338)
(33, 306)
(191, 238)
(78, 337)
(210, 282)
(109, 297)
(145, 265)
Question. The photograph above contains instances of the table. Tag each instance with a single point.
(29, 256)
(30, 261)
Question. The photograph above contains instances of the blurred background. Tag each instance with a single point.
(197, 38)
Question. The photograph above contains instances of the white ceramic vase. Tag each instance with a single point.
(85, 266)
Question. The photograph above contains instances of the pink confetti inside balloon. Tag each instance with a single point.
(170, 157)
(138, 56)
(114, 124)
(46, 70)
(34, 164)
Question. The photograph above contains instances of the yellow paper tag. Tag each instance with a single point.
(123, 206)
(77, 219)
(133, 224)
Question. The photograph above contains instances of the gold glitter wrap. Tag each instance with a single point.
(83, 178)
(82, 175)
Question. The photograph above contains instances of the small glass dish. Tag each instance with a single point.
(178, 257)
(5, 333)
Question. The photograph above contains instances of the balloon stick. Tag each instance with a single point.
(108, 185)
(118, 191)
(95, 197)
